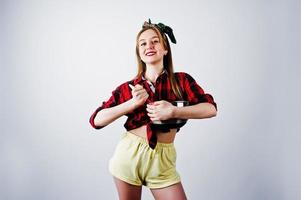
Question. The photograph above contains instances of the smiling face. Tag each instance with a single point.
(151, 50)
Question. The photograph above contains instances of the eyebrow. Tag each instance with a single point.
(151, 38)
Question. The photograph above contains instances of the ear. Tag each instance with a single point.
(165, 52)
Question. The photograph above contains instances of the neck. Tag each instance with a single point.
(153, 71)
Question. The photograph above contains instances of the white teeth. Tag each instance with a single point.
(150, 53)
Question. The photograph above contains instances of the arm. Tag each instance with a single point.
(198, 111)
(163, 110)
(108, 115)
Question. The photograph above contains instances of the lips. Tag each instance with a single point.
(150, 53)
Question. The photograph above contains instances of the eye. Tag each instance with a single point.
(143, 44)
(155, 41)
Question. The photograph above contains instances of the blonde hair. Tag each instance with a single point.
(167, 60)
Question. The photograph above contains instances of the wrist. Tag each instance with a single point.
(130, 105)
(175, 112)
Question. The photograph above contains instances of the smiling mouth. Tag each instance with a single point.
(151, 53)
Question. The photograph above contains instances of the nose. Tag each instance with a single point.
(150, 45)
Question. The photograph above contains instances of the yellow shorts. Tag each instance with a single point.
(136, 163)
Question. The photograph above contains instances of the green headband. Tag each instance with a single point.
(163, 29)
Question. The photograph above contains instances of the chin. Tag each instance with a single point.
(151, 61)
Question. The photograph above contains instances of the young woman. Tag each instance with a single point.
(145, 155)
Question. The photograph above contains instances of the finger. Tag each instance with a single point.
(141, 93)
(156, 103)
(146, 96)
(152, 116)
(150, 111)
(138, 86)
(143, 96)
(150, 106)
(136, 90)
(141, 90)
(134, 94)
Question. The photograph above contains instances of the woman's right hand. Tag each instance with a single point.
(139, 95)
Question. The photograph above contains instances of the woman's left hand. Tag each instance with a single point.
(160, 110)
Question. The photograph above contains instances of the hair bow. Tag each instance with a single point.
(163, 28)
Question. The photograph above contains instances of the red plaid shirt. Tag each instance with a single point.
(191, 92)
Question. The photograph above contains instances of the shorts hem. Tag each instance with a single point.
(125, 179)
(164, 185)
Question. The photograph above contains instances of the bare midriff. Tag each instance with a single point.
(167, 137)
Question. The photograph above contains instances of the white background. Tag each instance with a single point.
(60, 59)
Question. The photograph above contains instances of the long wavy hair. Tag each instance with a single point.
(167, 60)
